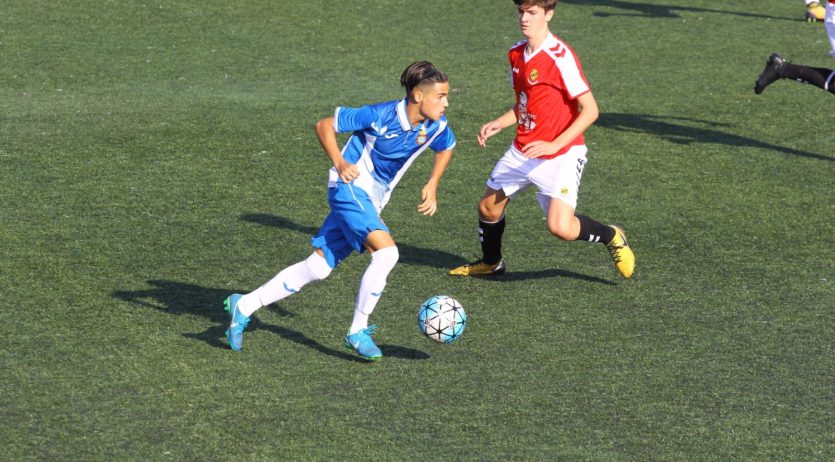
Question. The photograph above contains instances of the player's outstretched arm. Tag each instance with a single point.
(495, 126)
(327, 138)
(429, 192)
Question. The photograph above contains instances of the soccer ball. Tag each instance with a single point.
(442, 319)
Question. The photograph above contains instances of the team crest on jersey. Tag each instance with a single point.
(421, 138)
(533, 76)
(564, 191)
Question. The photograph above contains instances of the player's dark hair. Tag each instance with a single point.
(546, 5)
(419, 72)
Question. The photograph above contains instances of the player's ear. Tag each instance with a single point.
(417, 95)
(549, 15)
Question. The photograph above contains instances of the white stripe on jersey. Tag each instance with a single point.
(336, 120)
(567, 64)
(378, 192)
(408, 163)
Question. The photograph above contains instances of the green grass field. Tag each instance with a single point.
(155, 157)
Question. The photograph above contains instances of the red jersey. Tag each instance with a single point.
(547, 84)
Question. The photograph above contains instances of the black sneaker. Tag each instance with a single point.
(771, 72)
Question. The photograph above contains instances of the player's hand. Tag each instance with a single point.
(536, 149)
(430, 202)
(347, 171)
(487, 130)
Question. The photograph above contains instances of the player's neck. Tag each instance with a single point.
(537, 39)
(415, 117)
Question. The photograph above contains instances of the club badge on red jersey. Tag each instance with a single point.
(533, 76)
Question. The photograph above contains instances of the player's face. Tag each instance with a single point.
(533, 19)
(433, 99)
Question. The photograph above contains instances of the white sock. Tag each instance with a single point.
(372, 285)
(286, 283)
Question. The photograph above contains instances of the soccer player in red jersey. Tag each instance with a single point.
(554, 106)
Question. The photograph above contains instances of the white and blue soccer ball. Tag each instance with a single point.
(442, 319)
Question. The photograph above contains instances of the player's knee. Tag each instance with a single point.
(561, 230)
(317, 266)
(488, 212)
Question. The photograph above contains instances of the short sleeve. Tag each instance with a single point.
(444, 141)
(572, 74)
(349, 119)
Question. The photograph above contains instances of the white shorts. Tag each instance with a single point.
(554, 178)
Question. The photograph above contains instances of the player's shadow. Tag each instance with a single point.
(177, 298)
(650, 10)
(420, 256)
(409, 254)
(674, 130)
(512, 276)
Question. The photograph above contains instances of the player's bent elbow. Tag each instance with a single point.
(591, 113)
(324, 126)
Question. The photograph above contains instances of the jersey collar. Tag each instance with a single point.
(402, 116)
(550, 42)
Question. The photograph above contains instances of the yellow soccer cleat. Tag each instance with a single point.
(479, 268)
(621, 253)
(815, 12)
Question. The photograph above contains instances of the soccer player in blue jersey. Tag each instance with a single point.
(386, 138)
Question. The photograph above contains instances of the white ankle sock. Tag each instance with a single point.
(372, 285)
(286, 283)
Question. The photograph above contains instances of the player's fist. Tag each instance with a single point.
(347, 171)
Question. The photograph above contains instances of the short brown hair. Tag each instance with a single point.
(419, 72)
(546, 5)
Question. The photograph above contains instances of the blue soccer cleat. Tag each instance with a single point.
(237, 323)
(362, 343)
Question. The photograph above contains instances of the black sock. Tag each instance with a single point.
(491, 240)
(816, 76)
(594, 231)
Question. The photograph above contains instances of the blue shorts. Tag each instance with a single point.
(352, 218)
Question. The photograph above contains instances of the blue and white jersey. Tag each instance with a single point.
(384, 145)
